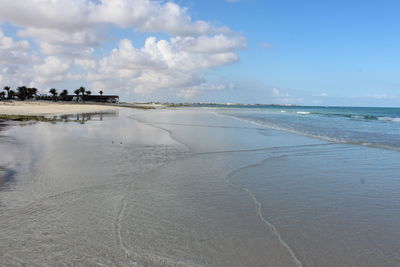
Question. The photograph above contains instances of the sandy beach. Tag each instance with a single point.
(181, 133)
(191, 187)
(39, 108)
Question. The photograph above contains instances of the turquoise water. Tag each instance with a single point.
(377, 127)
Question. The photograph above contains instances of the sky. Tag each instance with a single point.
(310, 52)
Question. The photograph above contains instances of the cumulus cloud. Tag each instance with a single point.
(150, 16)
(68, 33)
(13, 52)
(7, 43)
(15, 60)
(159, 64)
(213, 44)
(53, 69)
(65, 15)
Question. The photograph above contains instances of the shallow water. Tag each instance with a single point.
(335, 206)
(376, 127)
(189, 188)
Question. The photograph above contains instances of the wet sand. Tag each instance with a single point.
(189, 188)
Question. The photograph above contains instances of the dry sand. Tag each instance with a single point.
(49, 108)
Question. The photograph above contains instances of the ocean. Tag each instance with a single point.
(210, 186)
(369, 126)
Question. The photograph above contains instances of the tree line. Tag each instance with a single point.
(26, 93)
(22, 93)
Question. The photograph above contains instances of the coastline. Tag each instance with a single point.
(45, 110)
(39, 108)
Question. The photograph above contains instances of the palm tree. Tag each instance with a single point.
(53, 91)
(64, 94)
(7, 88)
(101, 92)
(32, 92)
(22, 92)
(88, 92)
(11, 94)
(29, 93)
(82, 90)
(77, 92)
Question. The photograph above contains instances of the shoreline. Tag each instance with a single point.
(41, 109)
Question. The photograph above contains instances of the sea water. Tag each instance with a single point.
(324, 182)
(378, 127)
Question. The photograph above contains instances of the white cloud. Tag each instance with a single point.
(202, 88)
(382, 96)
(86, 63)
(151, 16)
(162, 64)
(214, 44)
(65, 15)
(68, 33)
(73, 51)
(53, 69)
(81, 37)
(7, 43)
(278, 93)
(15, 61)
(285, 98)
(320, 95)
(13, 52)
(15, 75)
(291, 100)
(52, 19)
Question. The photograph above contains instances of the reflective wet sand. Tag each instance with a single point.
(189, 188)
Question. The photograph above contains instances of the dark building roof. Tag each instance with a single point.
(95, 98)
(100, 98)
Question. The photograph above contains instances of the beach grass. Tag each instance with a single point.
(26, 118)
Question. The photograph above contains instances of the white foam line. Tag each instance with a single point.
(203, 125)
(267, 149)
(314, 136)
(273, 228)
(163, 129)
(118, 227)
(259, 206)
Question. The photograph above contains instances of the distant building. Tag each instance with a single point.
(86, 98)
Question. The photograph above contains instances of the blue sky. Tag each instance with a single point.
(347, 50)
(250, 51)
